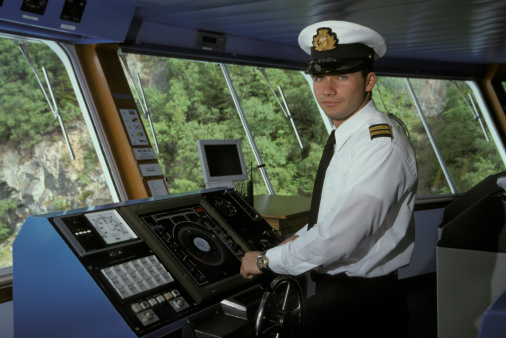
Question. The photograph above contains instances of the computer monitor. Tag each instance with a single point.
(222, 162)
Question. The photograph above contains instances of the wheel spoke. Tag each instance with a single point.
(277, 303)
(285, 300)
(273, 325)
(296, 311)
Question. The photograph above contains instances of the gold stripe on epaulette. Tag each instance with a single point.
(380, 130)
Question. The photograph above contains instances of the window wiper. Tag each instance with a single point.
(473, 109)
(247, 129)
(142, 99)
(289, 116)
(440, 158)
(52, 103)
(284, 107)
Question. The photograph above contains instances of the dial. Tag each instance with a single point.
(111, 226)
(225, 207)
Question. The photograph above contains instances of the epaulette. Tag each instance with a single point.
(380, 130)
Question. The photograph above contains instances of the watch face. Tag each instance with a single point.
(262, 262)
(111, 226)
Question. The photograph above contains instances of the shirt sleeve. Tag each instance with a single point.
(355, 211)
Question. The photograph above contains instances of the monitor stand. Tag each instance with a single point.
(220, 184)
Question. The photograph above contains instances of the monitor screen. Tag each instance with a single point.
(222, 162)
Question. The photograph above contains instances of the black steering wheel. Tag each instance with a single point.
(280, 310)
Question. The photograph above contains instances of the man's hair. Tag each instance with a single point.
(367, 70)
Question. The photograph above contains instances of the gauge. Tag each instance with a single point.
(73, 10)
(34, 6)
(111, 226)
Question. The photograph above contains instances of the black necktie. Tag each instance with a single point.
(328, 151)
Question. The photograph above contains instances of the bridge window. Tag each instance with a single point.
(37, 171)
(454, 139)
(190, 100)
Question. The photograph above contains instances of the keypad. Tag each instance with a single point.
(136, 276)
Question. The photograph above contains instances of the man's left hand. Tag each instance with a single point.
(249, 266)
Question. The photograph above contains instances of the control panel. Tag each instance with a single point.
(165, 259)
(76, 21)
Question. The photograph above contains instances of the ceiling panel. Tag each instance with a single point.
(461, 31)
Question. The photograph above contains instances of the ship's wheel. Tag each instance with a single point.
(280, 311)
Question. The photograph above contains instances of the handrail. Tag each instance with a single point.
(6, 285)
(434, 201)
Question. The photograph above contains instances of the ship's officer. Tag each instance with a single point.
(361, 227)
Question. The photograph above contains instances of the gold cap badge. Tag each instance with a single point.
(325, 39)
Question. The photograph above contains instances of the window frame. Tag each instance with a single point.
(67, 55)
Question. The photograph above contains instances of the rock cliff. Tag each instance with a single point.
(43, 178)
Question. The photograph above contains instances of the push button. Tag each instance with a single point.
(136, 308)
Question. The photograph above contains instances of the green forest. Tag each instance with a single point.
(190, 100)
(25, 115)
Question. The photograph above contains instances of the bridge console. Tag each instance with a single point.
(156, 267)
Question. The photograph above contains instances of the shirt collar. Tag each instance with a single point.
(350, 126)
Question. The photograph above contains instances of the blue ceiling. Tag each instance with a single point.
(442, 35)
(427, 37)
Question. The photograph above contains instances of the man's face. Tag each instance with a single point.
(340, 96)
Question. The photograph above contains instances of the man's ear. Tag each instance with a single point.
(370, 81)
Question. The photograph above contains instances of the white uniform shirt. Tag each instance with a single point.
(365, 224)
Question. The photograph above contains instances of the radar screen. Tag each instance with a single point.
(198, 242)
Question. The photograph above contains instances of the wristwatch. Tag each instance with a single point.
(263, 262)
